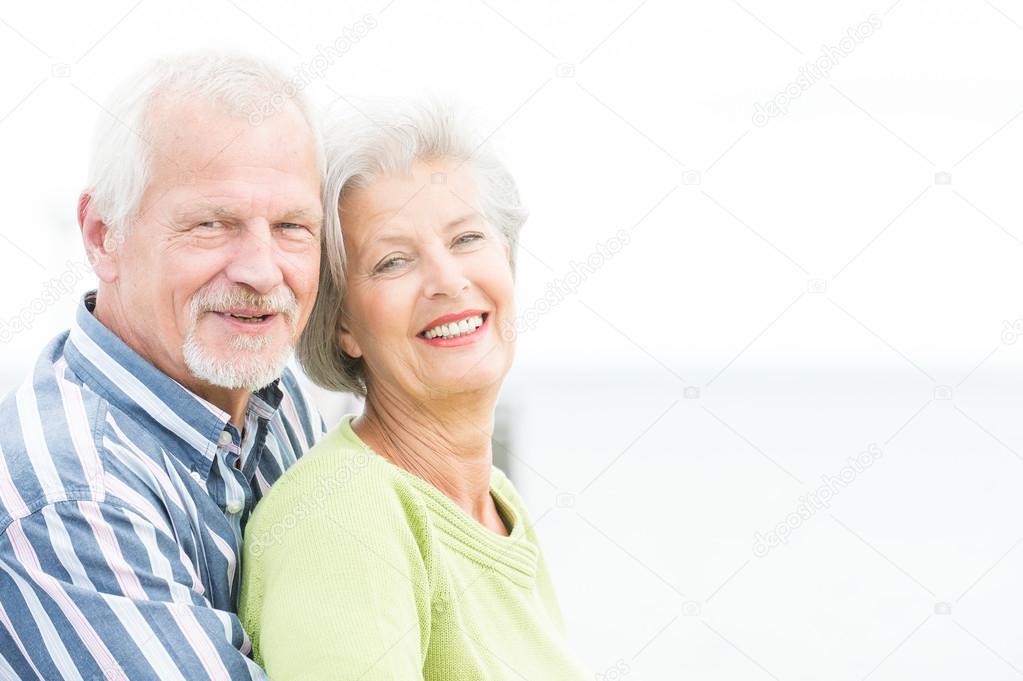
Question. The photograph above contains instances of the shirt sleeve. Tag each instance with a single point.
(335, 586)
(95, 591)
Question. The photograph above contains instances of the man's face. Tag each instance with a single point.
(217, 276)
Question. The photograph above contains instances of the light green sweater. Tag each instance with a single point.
(354, 568)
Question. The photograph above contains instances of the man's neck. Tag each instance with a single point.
(234, 402)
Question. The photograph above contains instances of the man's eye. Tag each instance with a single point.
(290, 225)
(213, 224)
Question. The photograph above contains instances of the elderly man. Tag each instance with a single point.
(132, 458)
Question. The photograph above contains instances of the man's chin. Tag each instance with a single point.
(235, 368)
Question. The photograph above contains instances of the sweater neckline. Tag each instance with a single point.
(517, 552)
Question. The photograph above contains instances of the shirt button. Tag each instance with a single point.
(225, 438)
(235, 507)
(196, 476)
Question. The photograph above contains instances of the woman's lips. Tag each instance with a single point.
(464, 339)
(453, 318)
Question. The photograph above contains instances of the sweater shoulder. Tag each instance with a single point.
(341, 481)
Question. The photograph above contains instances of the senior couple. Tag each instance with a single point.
(133, 458)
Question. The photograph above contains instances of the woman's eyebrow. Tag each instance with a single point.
(395, 236)
(390, 237)
(457, 222)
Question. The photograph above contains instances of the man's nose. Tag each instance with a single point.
(255, 260)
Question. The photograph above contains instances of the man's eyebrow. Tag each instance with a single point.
(203, 210)
(218, 211)
(301, 215)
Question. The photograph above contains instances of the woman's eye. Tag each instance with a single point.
(390, 264)
(468, 237)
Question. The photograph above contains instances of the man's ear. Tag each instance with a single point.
(99, 239)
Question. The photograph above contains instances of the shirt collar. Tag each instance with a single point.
(136, 387)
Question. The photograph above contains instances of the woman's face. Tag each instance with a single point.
(420, 258)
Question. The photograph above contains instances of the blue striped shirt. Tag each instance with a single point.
(123, 498)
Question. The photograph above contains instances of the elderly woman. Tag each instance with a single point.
(394, 549)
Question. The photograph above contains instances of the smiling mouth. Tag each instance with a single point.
(463, 327)
(247, 318)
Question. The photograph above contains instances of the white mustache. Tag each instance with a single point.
(281, 301)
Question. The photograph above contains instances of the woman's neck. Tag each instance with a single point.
(446, 444)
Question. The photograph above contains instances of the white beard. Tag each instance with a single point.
(243, 370)
(247, 367)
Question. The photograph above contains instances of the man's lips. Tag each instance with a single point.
(247, 320)
(248, 312)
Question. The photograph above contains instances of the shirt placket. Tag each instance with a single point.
(236, 488)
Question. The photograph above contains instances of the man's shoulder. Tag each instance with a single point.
(297, 414)
(62, 440)
(51, 436)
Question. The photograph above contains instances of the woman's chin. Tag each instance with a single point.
(465, 380)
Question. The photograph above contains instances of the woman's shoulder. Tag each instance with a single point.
(336, 455)
(337, 527)
(338, 475)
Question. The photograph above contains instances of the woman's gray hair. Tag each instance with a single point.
(122, 156)
(385, 142)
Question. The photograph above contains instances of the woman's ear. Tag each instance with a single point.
(348, 343)
(100, 240)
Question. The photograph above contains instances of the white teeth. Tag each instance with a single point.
(459, 328)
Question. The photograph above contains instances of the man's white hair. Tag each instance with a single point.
(122, 152)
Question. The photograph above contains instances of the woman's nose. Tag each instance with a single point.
(444, 276)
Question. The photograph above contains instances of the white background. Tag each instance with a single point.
(848, 274)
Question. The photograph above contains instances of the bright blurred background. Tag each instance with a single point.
(781, 236)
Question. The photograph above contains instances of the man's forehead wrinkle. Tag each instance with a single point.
(182, 140)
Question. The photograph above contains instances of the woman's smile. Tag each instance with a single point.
(426, 266)
(455, 334)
